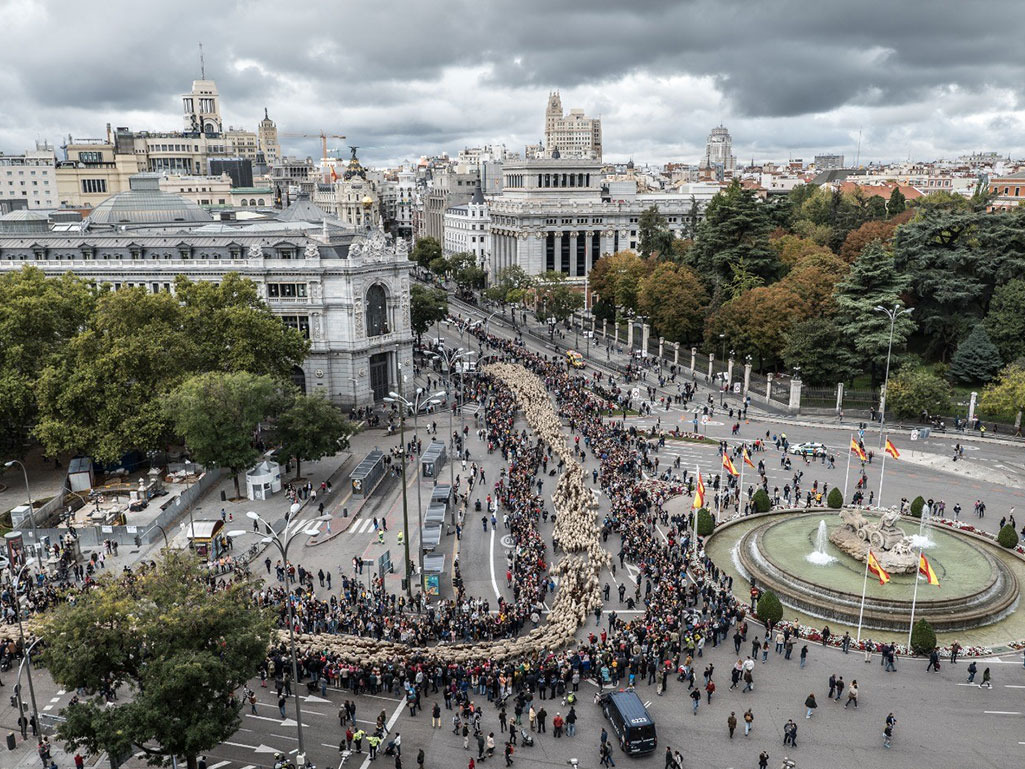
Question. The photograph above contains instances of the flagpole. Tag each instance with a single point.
(882, 472)
(864, 587)
(847, 475)
(914, 598)
(740, 491)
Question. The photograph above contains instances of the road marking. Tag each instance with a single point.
(388, 727)
(55, 699)
(1002, 712)
(1014, 686)
(313, 698)
(316, 531)
(494, 582)
(61, 692)
(47, 707)
(264, 718)
(249, 766)
(219, 764)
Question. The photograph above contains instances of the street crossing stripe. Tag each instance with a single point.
(219, 764)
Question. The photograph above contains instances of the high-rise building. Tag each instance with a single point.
(574, 135)
(719, 151)
(30, 178)
(828, 162)
(202, 108)
(268, 133)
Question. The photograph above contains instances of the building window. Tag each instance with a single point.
(286, 290)
(377, 311)
(90, 157)
(300, 323)
(92, 186)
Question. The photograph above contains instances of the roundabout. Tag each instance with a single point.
(793, 554)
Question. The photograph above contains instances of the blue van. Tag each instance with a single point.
(630, 721)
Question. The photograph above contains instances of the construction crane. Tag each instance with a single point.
(322, 136)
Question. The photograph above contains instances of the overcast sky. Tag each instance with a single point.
(404, 78)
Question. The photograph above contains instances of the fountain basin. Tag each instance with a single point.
(976, 587)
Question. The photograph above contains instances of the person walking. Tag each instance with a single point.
(810, 704)
(839, 688)
(972, 670)
(731, 724)
(804, 655)
(986, 679)
(606, 755)
(934, 661)
(852, 695)
(749, 719)
(436, 716)
(891, 722)
(763, 760)
(695, 696)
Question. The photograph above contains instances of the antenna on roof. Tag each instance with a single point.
(202, 64)
(857, 157)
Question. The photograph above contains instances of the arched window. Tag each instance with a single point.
(298, 377)
(244, 202)
(252, 201)
(260, 201)
(377, 311)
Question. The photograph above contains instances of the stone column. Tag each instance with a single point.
(588, 256)
(729, 371)
(630, 335)
(795, 396)
(573, 255)
(711, 360)
(558, 251)
(605, 329)
(768, 386)
(971, 408)
(661, 344)
(747, 377)
(839, 398)
(693, 359)
(676, 353)
(645, 331)
(616, 324)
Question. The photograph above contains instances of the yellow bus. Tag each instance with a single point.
(574, 359)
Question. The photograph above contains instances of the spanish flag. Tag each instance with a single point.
(747, 459)
(727, 464)
(858, 450)
(890, 449)
(925, 569)
(699, 494)
(875, 568)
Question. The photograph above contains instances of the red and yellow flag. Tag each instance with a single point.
(699, 494)
(875, 568)
(858, 450)
(747, 459)
(925, 569)
(727, 464)
(890, 449)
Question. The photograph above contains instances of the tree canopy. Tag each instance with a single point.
(426, 307)
(175, 651)
(312, 428)
(425, 251)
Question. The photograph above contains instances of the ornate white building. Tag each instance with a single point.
(559, 214)
(574, 134)
(719, 151)
(466, 229)
(347, 291)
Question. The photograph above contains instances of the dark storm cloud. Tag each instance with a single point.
(404, 78)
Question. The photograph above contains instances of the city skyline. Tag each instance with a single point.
(788, 80)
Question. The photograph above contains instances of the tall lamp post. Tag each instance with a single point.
(28, 491)
(421, 400)
(451, 357)
(293, 529)
(15, 584)
(893, 314)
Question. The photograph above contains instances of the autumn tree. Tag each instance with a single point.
(616, 280)
(675, 300)
(915, 389)
(1007, 394)
(882, 231)
(757, 322)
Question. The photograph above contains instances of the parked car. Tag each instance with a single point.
(809, 449)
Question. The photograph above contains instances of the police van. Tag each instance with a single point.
(630, 721)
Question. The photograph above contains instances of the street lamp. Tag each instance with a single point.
(282, 541)
(15, 582)
(420, 401)
(893, 314)
(28, 491)
(451, 357)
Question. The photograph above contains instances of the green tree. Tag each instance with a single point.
(217, 416)
(770, 610)
(834, 499)
(1007, 394)
(102, 394)
(1007, 536)
(923, 638)
(312, 428)
(426, 306)
(761, 501)
(234, 329)
(917, 506)
(39, 317)
(872, 282)
(616, 279)
(976, 358)
(735, 230)
(915, 389)
(675, 300)
(654, 236)
(555, 298)
(896, 203)
(439, 266)
(823, 357)
(465, 271)
(425, 251)
(1005, 320)
(706, 525)
(174, 651)
(510, 285)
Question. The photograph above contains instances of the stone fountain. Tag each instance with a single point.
(891, 546)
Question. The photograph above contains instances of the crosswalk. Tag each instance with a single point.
(361, 527)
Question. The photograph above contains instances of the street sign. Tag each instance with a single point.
(384, 564)
(704, 419)
(736, 387)
(914, 435)
(635, 393)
